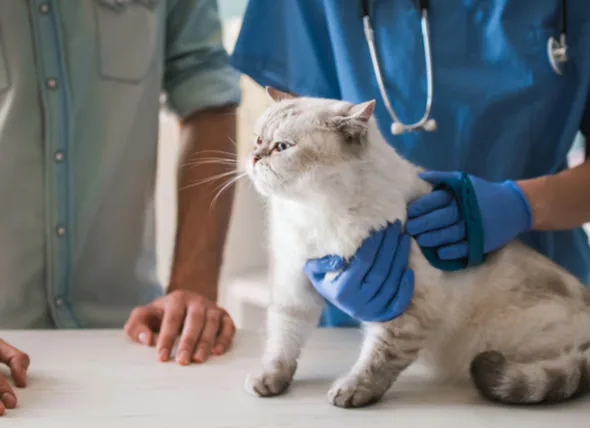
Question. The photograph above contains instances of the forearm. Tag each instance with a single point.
(203, 215)
(560, 201)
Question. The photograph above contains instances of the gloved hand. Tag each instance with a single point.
(435, 220)
(376, 285)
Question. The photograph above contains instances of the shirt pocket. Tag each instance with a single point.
(127, 38)
(4, 79)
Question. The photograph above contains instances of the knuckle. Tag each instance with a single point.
(177, 296)
(136, 312)
(175, 316)
(213, 315)
(198, 311)
(205, 343)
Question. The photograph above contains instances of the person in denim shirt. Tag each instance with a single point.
(80, 95)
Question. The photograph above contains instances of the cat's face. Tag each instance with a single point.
(301, 142)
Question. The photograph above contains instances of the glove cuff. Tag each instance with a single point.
(527, 212)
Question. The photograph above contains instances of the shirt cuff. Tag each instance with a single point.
(210, 88)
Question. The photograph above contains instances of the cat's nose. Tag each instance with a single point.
(255, 159)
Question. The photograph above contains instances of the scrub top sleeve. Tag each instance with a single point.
(286, 44)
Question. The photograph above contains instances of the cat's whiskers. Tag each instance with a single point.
(213, 178)
(226, 186)
(205, 161)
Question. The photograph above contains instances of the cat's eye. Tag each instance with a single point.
(281, 146)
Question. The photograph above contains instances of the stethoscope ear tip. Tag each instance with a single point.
(430, 125)
(398, 128)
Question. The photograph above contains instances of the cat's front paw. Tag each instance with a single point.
(272, 381)
(352, 391)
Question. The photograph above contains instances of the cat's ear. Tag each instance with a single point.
(362, 111)
(278, 95)
(355, 120)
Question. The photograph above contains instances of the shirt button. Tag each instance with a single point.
(44, 9)
(59, 156)
(58, 301)
(51, 83)
(60, 230)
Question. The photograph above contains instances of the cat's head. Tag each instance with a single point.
(301, 142)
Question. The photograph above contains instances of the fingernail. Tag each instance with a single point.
(201, 357)
(143, 337)
(9, 400)
(164, 354)
(183, 357)
(217, 349)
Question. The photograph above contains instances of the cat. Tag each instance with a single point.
(517, 325)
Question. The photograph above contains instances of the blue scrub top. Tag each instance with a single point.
(502, 112)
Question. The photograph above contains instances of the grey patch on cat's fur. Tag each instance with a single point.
(519, 390)
(556, 386)
(557, 286)
(586, 295)
(584, 385)
(584, 346)
(487, 370)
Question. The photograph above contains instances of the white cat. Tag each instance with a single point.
(518, 324)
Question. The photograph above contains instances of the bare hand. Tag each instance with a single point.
(18, 363)
(204, 328)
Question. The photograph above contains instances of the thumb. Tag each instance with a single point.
(323, 265)
(141, 324)
(435, 177)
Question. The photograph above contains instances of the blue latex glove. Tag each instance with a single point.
(435, 220)
(376, 284)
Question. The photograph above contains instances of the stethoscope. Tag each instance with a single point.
(556, 52)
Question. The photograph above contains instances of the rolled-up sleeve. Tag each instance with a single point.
(197, 71)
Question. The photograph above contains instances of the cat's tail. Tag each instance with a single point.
(543, 381)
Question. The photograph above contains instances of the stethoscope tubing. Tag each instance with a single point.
(556, 52)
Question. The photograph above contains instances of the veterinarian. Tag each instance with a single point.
(488, 96)
(80, 86)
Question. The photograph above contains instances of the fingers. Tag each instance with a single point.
(384, 259)
(174, 315)
(142, 323)
(445, 236)
(320, 267)
(193, 326)
(362, 262)
(390, 288)
(454, 251)
(226, 335)
(431, 201)
(209, 335)
(402, 299)
(7, 396)
(17, 361)
(436, 219)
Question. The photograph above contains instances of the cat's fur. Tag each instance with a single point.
(519, 325)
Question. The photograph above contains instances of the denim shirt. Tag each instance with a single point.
(80, 89)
